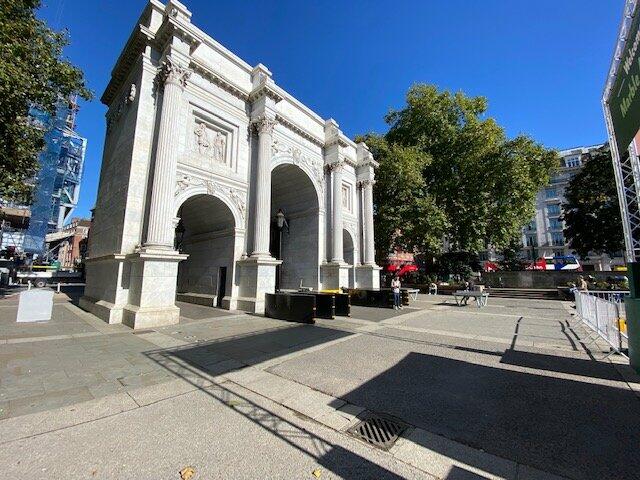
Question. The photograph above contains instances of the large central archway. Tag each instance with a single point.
(206, 233)
(297, 243)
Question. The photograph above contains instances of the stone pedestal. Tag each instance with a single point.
(368, 276)
(105, 295)
(152, 289)
(258, 277)
(335, 275)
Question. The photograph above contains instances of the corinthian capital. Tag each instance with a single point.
(264, 124)
(366, 183)
(174, 73)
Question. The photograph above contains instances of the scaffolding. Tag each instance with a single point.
(626, 164)
(57, 183)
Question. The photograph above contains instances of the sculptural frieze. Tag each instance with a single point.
(210, 144)
(237, 196)
(300, 159)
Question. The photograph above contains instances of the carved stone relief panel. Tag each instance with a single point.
(299, 158)
(211, 141)
(208, 145)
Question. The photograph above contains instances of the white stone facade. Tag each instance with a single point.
(202, 151)
(543, 236)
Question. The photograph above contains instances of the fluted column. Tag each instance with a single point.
(336, 219)
(262, 189)
(369, 246)
(160, 232)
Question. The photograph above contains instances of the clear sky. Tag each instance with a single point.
(542, 64)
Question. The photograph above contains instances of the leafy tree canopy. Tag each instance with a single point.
(406, 216)
(480, 185)
(32, 73)
(591, 209)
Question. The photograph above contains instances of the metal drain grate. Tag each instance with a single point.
(379, 431)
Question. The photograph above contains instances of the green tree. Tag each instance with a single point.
(511, 255)
(591, 208)
(483, 183)
(405, 214)
(32, 73)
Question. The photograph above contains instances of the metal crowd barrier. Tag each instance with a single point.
(604, 314)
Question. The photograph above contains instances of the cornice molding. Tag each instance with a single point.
(205, 72)
(139, 39)
(299, 130)
(172, 27)
(264, 90)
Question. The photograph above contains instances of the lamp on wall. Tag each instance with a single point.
(179, 237)
(281, 221)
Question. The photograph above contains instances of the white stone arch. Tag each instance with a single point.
(237, 206)
(316, 177)
(351, 230)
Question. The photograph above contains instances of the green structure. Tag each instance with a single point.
(621, 104)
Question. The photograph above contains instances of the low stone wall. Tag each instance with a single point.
(538, 279)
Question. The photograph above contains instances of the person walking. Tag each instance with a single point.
(395, 286)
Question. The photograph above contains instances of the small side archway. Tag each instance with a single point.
(349, 255)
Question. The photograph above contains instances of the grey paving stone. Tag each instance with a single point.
(49, 400)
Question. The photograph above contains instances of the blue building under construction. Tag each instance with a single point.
(57, 183)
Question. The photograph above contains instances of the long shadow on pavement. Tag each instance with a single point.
(197, 364)
(572, 428)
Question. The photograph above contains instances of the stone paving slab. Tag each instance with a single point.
(209, 435)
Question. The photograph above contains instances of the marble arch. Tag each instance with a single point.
(316, 177)
(237, 207)
(186, 117)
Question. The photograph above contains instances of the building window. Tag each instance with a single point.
(557, 239)
(571, 162)
(555, 224)
(553, 209)
(550, 193)
(531, 226)
(532, 241)
(347, 198)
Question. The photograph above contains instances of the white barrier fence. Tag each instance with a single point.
(604, 314)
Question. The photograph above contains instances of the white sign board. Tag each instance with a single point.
(35, 305)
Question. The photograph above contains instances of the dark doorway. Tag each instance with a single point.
(222, 285)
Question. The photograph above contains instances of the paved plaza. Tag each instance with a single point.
(508, 391)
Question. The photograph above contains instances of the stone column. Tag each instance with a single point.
(262, 220)
(336, 220)
(159, 232)
(369, 246)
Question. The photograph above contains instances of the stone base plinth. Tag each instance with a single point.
(335, 275)
(258, 276)
(152, 289)
(368, 276)
(102, 309)
(138, 318)
(207, 300)
(105, 294)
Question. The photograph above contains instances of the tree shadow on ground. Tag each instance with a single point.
(571, 428)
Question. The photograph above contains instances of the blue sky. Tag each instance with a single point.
(541, 64)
